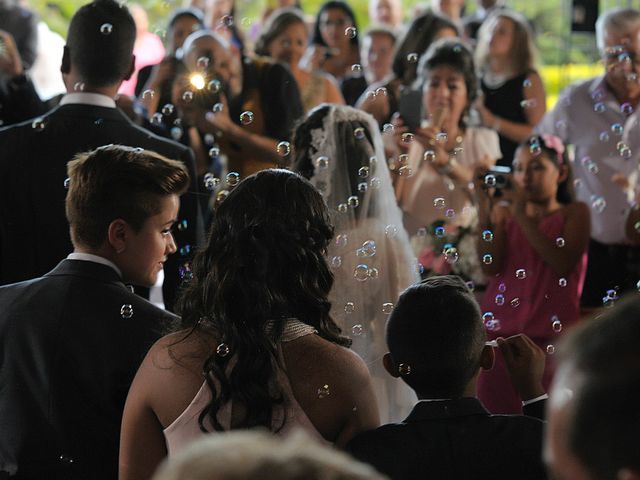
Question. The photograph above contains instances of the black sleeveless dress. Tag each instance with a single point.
(505, 101)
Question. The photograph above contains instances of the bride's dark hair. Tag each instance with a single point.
(264, 262)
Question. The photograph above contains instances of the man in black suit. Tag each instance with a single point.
(436, 342)
(593, 406)
(33, 230)
(72, 340)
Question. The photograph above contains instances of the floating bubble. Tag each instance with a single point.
(186, 250)
(126, 311)
(560, 242)
(412, 57)
(185, 272)
(356, 68)
(404, 369)
(342, 240)
(530, 103)
(336, 262)
(387, 308)
(521, 274)
(502, 287)
(599, 107)
(66, 183)
(156, 118)
(617, 129)
(556, 324)
(210, 182)
(214, 86)
(246, 118)
(391, 231)
(405, 171)
(227, 21)
(221, 195)
(217, 107)
(363, 187)
(357, 329)
(182, 225)
(361, 273)
(351, 32)
(562, 282)
(187, 96)
(388, 129)
(487, 316)
(369, 248)
(439, 202)
(487, 235)
(176, 133)
(381, 91)
(487, 259)
(599, 204)
(233, 178)
(441, 137)
(450, 213)
(202, 62)
(167, 109)
(343, 208)
(65, 459)
(625, 152)
(470, 285)
(353, 201)
(38, 124)
(515, 302)
(604, 136)
(349, 307)
(451, 255)
(429, 156)
(439, 231)
(373, 272)
(214, 152)
(78, 86)
(407, 137)
(283, 149)
(550, 349)
(421, 232)
(106, 29)
(322, 162)
(535, 149)
(526, 83)
(222, 350)
(490, 180)
(499, 299)
(363, 172)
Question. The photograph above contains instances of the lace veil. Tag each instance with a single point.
(370, 256)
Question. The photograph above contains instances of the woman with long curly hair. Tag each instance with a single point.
(257, 346)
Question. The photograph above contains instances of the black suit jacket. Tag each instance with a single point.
(67, 359)
(34, 233)
(455, 439)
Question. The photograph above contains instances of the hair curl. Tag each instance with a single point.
(265, 261)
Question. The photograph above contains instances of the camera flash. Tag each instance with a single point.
(197, 80)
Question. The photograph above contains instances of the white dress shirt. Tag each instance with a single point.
(587, 115)
(89, 257)
(87, 98)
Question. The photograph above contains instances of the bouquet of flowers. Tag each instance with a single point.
(444, 248)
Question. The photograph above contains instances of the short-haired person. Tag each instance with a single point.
(599, 116)
(73, 339)
(34, 233)
(593, 406)
(436, 342)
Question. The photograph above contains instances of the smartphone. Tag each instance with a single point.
(498, 177)
(410, 108)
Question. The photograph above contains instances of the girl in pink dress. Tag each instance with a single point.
(533, 247)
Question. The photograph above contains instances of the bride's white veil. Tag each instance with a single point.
(370, 255)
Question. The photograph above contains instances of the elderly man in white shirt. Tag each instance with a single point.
(599, 117)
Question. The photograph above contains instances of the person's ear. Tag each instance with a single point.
(132, 67)
(487, 358)
(118, 234)
(65, 65)
(563, 173)
(390, 366)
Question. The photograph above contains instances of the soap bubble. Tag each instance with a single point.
(324, 391)
(407, 137)
(439, 231)
(599, 204)
(167, 109)
(521, 274)
(387, 308)
(214, 86)
(412, 57)
(222, 350)
(617, 129)
(283, 149)
(202, 62)
(562, 282)
(361, 273)
(626, 108)
(599, 107)
(217, 107)
(363, 172)
(604, 136)
(487, 259)
(38, 124)
(351, 32)
(246, 118)
(357, 68)
(487, 236)
(343, 208)
(78, 86)
(106, 29)
(499, 299)
(187, 96)
(388, 128)
(560, 242)
(353, 201)
(439, 202)
(526, 83)
(126, 311)
(405, 171)
(233, 178)
(451, 255)
(502, 287)
(550, 349)
(391, 231)
(341, 240)
(214, 152)
(336, 262)
(556, 324)
(210, 182)
(490, 180)
(156, 118)
(227, 21)
(357, 329)
(404, 369)
(515, 302)
(349, 307)
(429, 156)
(66, 183)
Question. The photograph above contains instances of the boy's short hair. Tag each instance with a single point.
(114, 182)
(436, 332)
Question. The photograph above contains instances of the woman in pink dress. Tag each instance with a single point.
(258, 347)
(533, 247)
